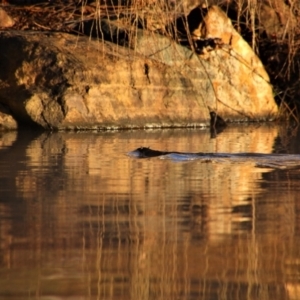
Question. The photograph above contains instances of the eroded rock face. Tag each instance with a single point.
(60, 81)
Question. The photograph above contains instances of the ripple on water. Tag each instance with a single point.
(81, 219)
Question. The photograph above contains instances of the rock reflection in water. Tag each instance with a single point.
(80, 219)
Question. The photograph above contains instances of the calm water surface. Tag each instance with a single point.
(79, 219)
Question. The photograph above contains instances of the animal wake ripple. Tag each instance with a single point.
(262, 160)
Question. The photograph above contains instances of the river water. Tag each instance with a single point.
(80, 219)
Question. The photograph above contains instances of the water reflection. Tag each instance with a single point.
(80, 219)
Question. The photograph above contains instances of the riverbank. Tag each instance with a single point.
(95, 66)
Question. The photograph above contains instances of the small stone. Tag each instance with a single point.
(7, 122)
(5, 20)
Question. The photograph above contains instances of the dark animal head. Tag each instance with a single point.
(144, 152)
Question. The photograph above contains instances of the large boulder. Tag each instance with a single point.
(231, 78)
(62, 81)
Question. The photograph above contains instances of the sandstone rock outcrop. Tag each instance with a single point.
(61, 81)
